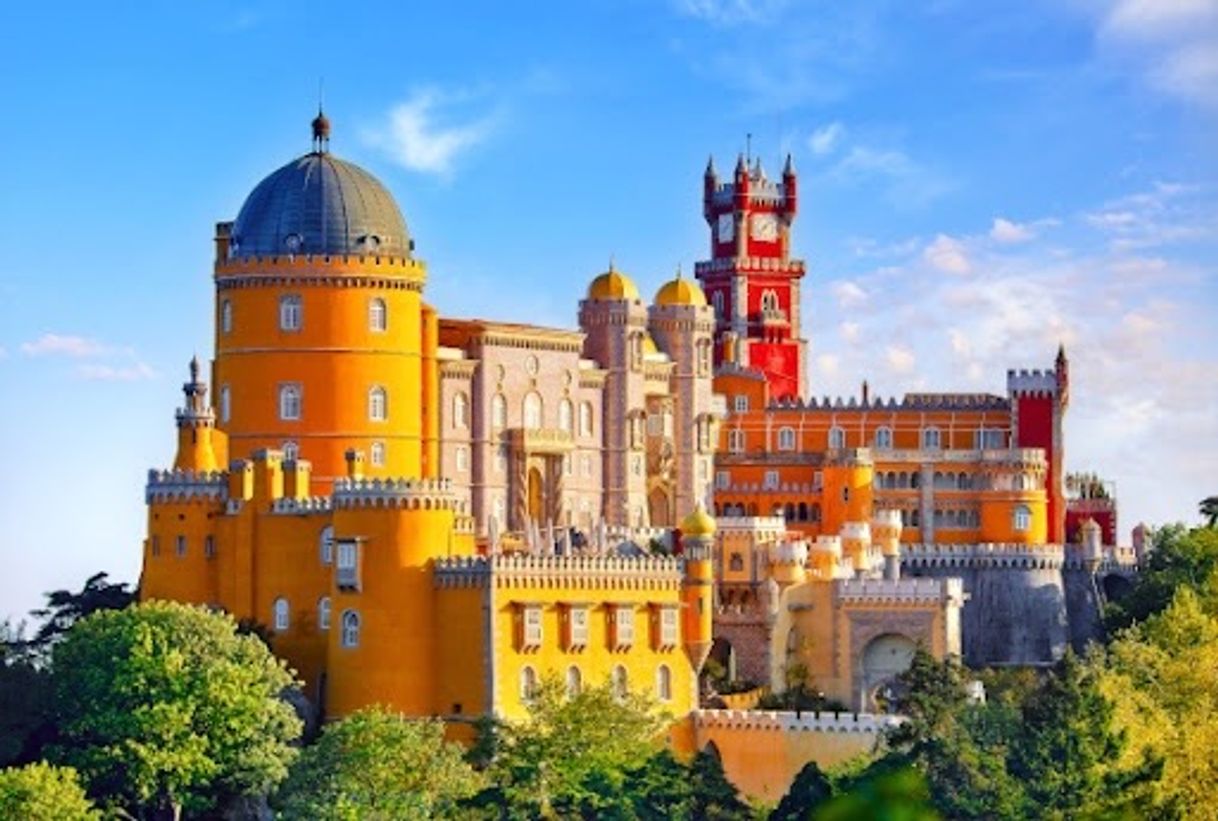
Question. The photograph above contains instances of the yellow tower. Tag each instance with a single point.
(886, 535)
(320, 322)
(197, 429)
(697, 545)
(847, 490)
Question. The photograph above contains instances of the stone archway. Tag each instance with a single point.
(883, 660)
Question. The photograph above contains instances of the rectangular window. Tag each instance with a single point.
(181, 546)
(771, 480)
(623, 626)
(209, 547)
(740, 403)
(531, 633)
(723, 480)
(348, 565)
(735, 441)
(786, 439)
(577, 627)
(668, 627)
(462, 459)
(290, 313)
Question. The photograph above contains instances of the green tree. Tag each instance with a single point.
(163, 706)
(714, 797)
(25, 716)
(886, 793)
(810, 789)
(1209, 510)
(660, 789)
(64, 608)
(376, 764)
(40, 792)
(1181, 557)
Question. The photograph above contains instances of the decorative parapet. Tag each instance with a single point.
(574, 572)
(542, 440)
(1112, 559)
(185, 485)
(900, 591)
(750, 524)
(792, 722)
(301, 507)
(412, 494)
(910, 402)
(1013, 556)
(1016, 456)
(767, 264)
(1033, 383)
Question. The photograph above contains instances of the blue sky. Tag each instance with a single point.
(979, 182)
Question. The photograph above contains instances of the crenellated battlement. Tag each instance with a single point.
(754, 264)
(577, 572)
(909, 402)
(900, 591)
(1013, 556)
(412, 494)
(326, 264)
(185, 485)
(1031, 382)
(288, 506)
(789, 721)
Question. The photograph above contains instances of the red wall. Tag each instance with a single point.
(1036, 431)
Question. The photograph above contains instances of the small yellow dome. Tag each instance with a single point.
(680, 291)
(698, 523)
(649, 346)
(613, 284)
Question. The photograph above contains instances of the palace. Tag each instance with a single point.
(436, 513)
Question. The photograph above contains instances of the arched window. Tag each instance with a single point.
(1023, 518)
(280, 615)
(769, 301)
(803, 511)
(532, 410)
(226, 403)
(786, 438)
(323, 613)
(883, 438)
(585, 419)
(378, 404)
(325, 544)
(575, 681)
(498, 411)
(565, 414)
(460, 411)
(289, 402)
(350, 637)
(290, 312)
(717, 303)
(378, 316)
(930, 438)
(291, 451)
(226, 316)
(620, 682)
(528, 684)
(837, 438)
(376, 454)
(664, 683)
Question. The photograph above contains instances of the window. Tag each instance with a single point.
(531, 634)
(1023, 518)
(735, 563)
(620, 682)
(289, 312)
(226, 403)
(376, 454)
(378, 404)
(462, 459)
(280, 615)
(930, 439)
(460, 411)
(291, 451)
(565, 414)
(350, 637)
(769, 301)
(786, 438)
(577, 627)
(837, 438)
(664, 683)
(668, 627)
(528, 684)
(717, 303)
(180, 546)
(575, 681)
(498, 411)
(623, 626)
(325, 544)
(348, 564)
(735, 440)
(723, 479)
(532, 410)
(585, 419)
(323, 613)
(226, 316)
(770, 482)
(289, 402)
(883, 438)
(989, 438)
(209, 547)
(377, 315)
(740, 403)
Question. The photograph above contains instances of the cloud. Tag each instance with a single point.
(947, 255)
(731, 12)
(905, 182)
(849, 294)
(1007, 232)
(828, 364)
(824, 139)
(134, 372)
(417, 136)
(1173, 42)
(61, 345)
(899, 359)
(849, 331)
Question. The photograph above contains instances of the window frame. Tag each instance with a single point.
(291, 313)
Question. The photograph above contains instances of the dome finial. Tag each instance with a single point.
(321, 123)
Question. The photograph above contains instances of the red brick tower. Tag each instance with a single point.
(750, 279)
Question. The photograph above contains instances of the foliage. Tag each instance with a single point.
(1162, 677)
(800, 695)
(165, 705)
(660, 788)
(890, 794)
(1208, 508)
(811, 788)
(375, 764)
(40, 792)
(64, 608)
(1181, 557)
(714, 797)
(570, 755)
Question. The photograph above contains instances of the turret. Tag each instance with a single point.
(710, 182)
(787, 562)
(697, 549)
(826, 554)
(886, 535)
(196, 427)
(1093, 544)
(856, 545)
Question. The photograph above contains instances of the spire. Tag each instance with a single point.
(1061, 353)
(788, 170)
(195, 393)
(741, 167)
(710, 166)
(321, 132)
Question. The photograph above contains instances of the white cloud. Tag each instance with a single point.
(899, 359)
(828, 364)
(947, 255)
(826, 138)
(415, 137)
(134, 372)
(731, 12)
(1174, 42)
(1008, 232)
(849, 294)
(849, 331)
(905, 182)
(961, 346)
(63, 345)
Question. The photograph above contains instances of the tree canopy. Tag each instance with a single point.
(40, 792)
(1181, 557)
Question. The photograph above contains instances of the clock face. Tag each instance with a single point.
(727, 227)
(765, 227)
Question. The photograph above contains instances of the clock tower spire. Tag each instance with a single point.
(750, 278)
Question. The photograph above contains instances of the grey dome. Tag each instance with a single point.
(318, 204)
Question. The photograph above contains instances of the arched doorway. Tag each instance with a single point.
(659, 508)
(884, 659)
(536, 495)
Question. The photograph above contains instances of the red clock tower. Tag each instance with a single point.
(750, 279)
